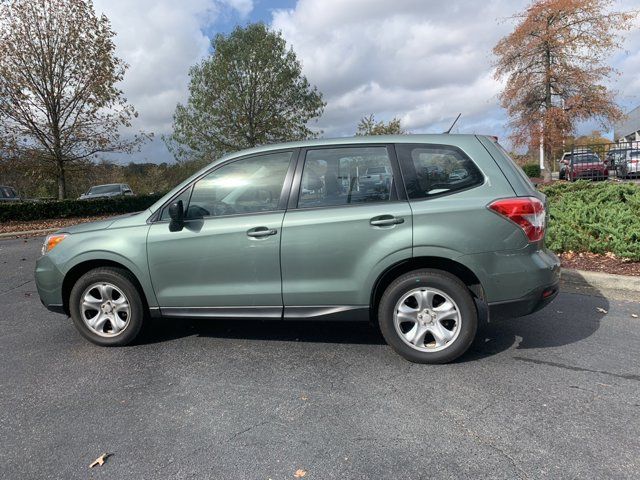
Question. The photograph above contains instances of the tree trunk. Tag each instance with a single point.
(62, 182)
(546, 173)
(548, 162)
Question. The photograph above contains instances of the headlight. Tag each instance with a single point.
(52, 241)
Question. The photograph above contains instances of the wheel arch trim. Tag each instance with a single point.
(88, 261)
(438, 262)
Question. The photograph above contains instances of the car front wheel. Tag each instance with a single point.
(428, 316)
(106, 307)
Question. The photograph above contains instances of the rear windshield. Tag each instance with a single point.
(105, 189)
(376, 170)
(524, 176)
(585, 159)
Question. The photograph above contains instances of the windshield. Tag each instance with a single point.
(104, 189)
(585, 159)
(7, 192)
(375, 170)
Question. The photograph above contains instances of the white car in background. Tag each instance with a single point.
(630, 164)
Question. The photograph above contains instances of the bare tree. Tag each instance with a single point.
(58, 77)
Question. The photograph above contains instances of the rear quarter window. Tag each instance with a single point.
(432, 170)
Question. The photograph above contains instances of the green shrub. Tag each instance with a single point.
(532, 170)
(25, 211)
(594, 217)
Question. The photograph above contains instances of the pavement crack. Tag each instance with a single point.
(15, 288)
(248, 429)
(627, 376)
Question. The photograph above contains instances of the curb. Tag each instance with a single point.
(619, 287)
(27, 232)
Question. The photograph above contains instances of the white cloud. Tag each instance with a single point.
(423, 61)
(160, 40)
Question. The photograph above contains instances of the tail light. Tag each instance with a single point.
(526, 212)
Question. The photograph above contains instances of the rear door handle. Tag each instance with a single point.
(386, 221)
(260, 232)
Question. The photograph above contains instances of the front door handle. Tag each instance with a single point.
(386, 221)
(260, 232)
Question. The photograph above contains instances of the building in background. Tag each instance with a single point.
(628, 129)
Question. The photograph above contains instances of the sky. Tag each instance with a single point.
(423, 61)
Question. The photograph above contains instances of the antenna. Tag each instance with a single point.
(453, 124)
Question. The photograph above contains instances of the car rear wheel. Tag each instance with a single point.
(106, 307)
(428, 316)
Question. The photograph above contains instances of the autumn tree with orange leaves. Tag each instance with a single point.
(555, 67)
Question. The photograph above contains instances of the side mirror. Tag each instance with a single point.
(176, 213)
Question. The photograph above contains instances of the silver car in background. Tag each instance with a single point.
(107, 191)
(629, 165)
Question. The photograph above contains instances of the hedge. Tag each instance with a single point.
(532, 170)
(594, 217)
(25, 211)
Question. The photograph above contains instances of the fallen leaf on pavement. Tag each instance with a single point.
(100, 460)
(300, 473)
(601, 310)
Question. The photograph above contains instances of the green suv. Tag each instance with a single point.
(295, 231)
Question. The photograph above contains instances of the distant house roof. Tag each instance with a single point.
(629, 127)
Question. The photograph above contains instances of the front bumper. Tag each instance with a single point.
(591, 174)
(49, 284)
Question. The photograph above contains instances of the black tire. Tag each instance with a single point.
(446, 283)
(124, 281)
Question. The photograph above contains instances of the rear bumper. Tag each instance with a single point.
(531, 302)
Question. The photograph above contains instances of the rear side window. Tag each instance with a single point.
(346, 176)
(432, 170)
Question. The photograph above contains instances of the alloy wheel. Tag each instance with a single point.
(427, 319)
(105, 309)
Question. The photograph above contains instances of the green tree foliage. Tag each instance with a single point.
(249, 92)
(369, 126)
(59, 103)
(594, 217)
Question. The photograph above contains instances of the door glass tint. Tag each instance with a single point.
(250, 185)
(345, 176)
(437, 170)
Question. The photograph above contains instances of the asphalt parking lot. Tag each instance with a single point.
(552, 395)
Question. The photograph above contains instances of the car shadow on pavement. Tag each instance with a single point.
(292, 331)
(570, 318)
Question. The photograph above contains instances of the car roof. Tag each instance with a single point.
(364, 139)
(107, 185)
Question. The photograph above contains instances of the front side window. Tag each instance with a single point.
(436, 170)
(250, 185)
(345, 176)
